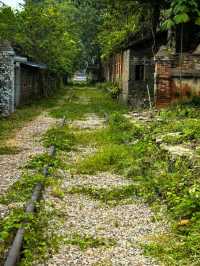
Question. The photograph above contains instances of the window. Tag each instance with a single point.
(139, 72)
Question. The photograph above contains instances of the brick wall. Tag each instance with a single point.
(177, 77)
(121, 69)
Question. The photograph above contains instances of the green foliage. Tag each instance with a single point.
(130, 149)
(62, 138)
(98, 103)
(38, 162)
(116, 151)
(113, 88)
(8, 23)
(118, 24)
(107, 158)
(48, 34)
(182, 12)
(88, 21)
(6, 150)
(176, 249)
(106, 195)
(10, 222)
(8, 227)
(38, 244)
(21, 190)
(85, 242)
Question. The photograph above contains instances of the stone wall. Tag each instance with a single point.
(7, 76)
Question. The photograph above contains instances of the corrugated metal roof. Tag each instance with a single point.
(35, 65)
(20, 59)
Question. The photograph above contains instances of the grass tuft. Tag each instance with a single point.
(85, 242)
(62, 138)
(107, 195)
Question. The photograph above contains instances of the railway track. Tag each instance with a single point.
(14, 253)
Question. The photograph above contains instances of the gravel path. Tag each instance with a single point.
(129, 223)
(91, 121)
(101, 180)
(28, 142)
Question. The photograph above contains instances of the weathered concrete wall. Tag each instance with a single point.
(28, 84)
(121, 69)
(7, 77)
(17, 84)
(125, 76)
(36, 83)
(185, 89)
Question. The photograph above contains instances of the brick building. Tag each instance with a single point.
(21, 81)
(168, 74)
(177, 77)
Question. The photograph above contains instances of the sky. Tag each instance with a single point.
(13, 3)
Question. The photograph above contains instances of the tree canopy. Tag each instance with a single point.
(71, 34)
(45, 31)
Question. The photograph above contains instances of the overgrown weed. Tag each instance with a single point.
(84, 242)
(61, 138)
(115, 194)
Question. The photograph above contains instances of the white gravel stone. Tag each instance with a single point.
(28, 141)
(91, 121)
(100, 180)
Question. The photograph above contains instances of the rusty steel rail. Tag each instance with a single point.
(14, 253)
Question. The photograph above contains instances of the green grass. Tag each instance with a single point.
(95, 102)
(130, 150)
(26, 113)
(6, 150)
(38, 162)
(21, 190)
(61, 137)
(17, 197)
(173, 249)
(8, 228)
(39, 244)
(108, 158)
(85, 242)
(159, 179)
(116, 194)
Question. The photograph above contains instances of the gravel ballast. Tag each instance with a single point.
(28, 141)
(129, 223)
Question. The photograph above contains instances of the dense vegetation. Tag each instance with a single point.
(118, 20)
(68, 35)
(165, 181)
(45, 31)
